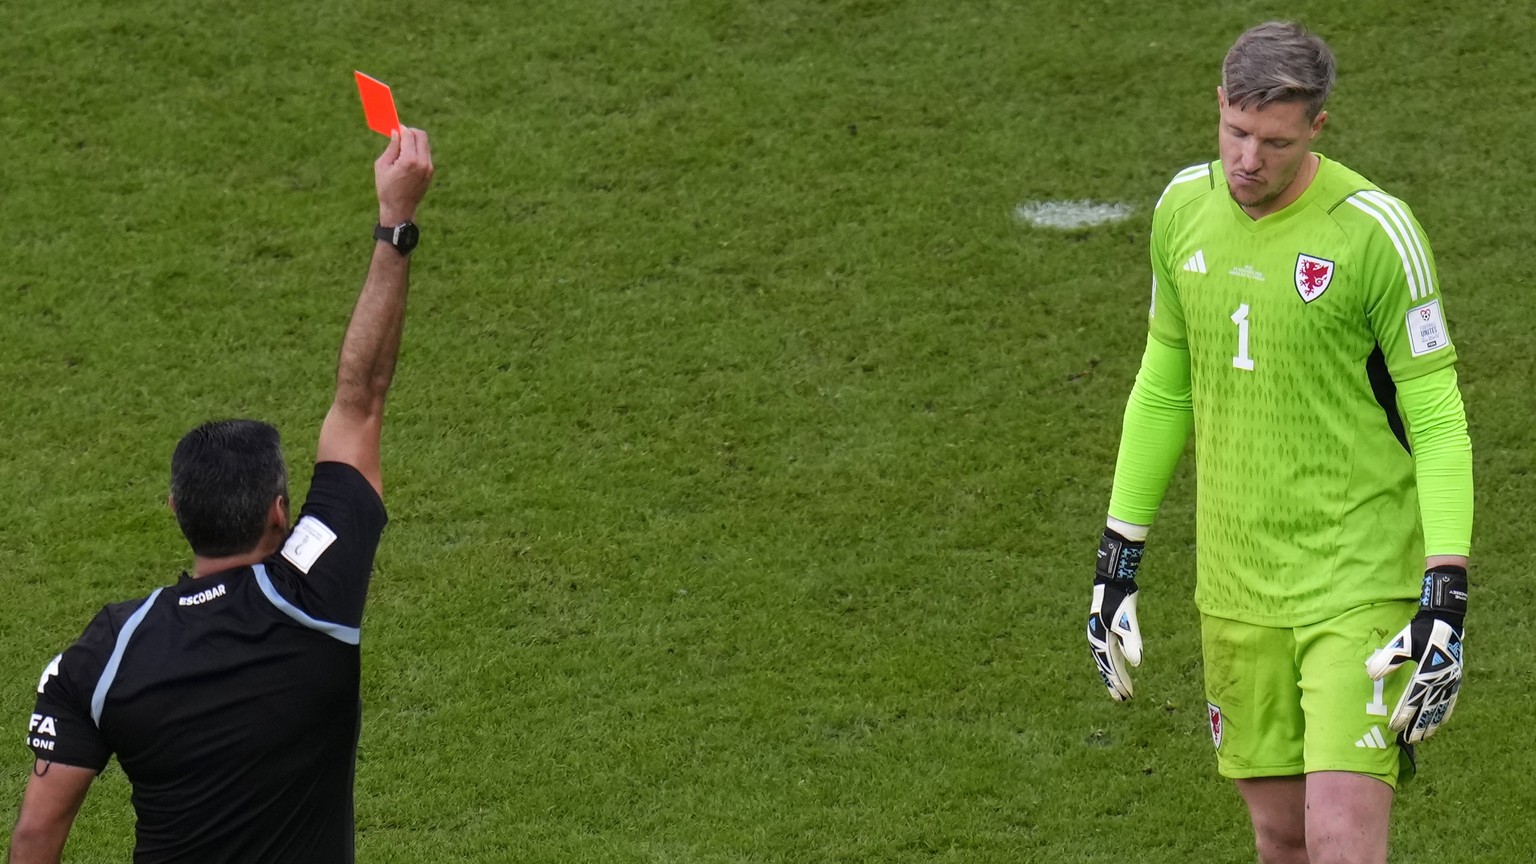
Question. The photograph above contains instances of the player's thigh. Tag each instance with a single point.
(1347, 816)
(1254, 706)
(1346, 711)
(1277, 807)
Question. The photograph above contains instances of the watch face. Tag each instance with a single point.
(406, 236)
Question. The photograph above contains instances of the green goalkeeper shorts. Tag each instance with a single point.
(1293, 700)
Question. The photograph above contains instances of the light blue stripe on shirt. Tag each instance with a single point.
(104, 683)
(349, 635)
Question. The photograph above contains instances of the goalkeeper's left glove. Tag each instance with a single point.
(1432, 641)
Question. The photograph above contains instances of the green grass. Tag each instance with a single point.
(746, 455)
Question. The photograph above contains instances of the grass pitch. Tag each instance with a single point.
(747, 454)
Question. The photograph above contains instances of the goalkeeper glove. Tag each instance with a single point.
(1114, 635)
(1432, 642)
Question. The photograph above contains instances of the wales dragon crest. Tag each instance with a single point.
(1313, 275)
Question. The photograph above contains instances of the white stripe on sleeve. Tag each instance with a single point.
(1398, 213)
(1407, 247)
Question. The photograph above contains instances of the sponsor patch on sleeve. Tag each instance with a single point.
(309, 540)
(1426, 329)
(42, 733)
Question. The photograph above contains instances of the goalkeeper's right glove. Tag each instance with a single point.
(1114, 635)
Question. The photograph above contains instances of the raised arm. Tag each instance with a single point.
(352, 428)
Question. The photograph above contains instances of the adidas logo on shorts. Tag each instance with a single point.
(1373, 740)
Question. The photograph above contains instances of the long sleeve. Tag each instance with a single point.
(1442, 459)
(1158, 418)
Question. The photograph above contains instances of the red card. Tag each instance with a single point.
(378, 104)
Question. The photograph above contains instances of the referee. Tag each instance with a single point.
(231, 697)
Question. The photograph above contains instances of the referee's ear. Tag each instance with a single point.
(277, 517)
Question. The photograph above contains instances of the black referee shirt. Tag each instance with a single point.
(231, 701)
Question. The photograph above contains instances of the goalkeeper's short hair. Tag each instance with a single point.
(1278, 61)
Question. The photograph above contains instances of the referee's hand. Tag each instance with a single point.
(402, 174)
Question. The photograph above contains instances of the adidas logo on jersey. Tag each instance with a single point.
(1196, 262)
(1373, 740)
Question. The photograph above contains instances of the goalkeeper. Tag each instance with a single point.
(1296, 329)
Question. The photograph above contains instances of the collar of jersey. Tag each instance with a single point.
(187, 580)
(1280, 217)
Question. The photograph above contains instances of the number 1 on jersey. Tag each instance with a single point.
(1242, 360)
(1377, 707)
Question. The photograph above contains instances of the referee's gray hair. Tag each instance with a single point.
(1278, 61)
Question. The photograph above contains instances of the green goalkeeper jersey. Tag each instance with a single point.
(1297, 326)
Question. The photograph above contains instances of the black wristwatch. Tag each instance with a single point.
(403, 237)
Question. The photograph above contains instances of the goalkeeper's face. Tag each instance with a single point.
(1263, 151)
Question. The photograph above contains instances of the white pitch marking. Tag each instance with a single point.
(1067, 215)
